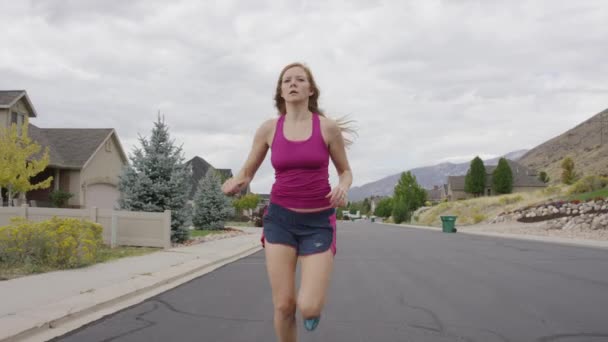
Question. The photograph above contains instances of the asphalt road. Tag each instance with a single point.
(393, 284)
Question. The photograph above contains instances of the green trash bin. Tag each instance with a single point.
(448, 224)
(373, 219)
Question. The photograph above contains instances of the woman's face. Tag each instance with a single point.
(295, 86)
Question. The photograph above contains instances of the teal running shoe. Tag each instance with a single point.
(311, 323)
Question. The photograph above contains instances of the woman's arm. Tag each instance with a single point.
(254, 160)
(337, 152)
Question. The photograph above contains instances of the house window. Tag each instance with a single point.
(109, 146)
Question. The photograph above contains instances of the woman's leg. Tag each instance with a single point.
(315, 277)
(281, 263)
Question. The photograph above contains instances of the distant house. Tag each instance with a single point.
(374, 200)
(83, 161)
(199, 168)
(264, 201)
(436, 194)
(524, 180)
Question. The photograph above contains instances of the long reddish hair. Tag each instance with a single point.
(313, 100)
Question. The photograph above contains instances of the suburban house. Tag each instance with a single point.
(524, 180)
(374, 200)
(264, 201)
(199, 168)
(437, 193)
(85, 162)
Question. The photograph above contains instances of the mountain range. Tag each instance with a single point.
(586, 144)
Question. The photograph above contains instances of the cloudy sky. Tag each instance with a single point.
(427, 81)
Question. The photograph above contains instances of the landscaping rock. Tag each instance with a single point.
(575, 215)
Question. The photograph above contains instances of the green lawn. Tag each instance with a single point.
(205, 232)
(589, 195)
(105, 254)
(238, 224)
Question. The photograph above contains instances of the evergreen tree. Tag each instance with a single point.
(366, 207)
(408, 196)
(475, 180)
(157, 180)
(568, 174)
(211, 206)
(502, 178)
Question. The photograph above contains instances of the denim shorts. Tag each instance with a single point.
(308, 233)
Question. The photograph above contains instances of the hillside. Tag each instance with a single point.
(427, 177)
(586, 144)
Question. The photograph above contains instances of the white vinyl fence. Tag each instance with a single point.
(125, 228)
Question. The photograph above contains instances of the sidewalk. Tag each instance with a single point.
(39, 307)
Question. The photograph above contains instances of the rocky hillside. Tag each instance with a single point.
(428, 177)
(586, 144)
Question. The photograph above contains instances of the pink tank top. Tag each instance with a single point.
(301, 175)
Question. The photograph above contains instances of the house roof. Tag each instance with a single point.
(71, 147)
(434, 194)
(522, 177)
(456, 182)
(200, 167)
(9, 97)
(226, 173)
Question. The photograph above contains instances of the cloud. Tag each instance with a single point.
(426, 81)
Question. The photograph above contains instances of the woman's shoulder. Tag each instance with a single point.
(328, 124)
(269, 123)
(268, 126)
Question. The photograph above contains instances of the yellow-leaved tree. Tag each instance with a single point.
(20, 161)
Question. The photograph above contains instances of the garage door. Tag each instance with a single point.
(102, 196)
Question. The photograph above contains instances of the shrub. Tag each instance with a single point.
(59, 198)
(478, 218)
(588, 184)
(58, 242)
(339, 213)
(400, 212)
(258, 217)
(569, 176)
(443, 206)
(543, 177)
(552, 190)
(510, 199)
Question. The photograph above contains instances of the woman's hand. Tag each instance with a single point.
(338, 196)
(233, 186)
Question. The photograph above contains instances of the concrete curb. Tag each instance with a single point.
(549, 239)
(44, 323)
(539, 238)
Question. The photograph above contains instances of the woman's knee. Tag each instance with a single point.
(285, 307)
(309, 307)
